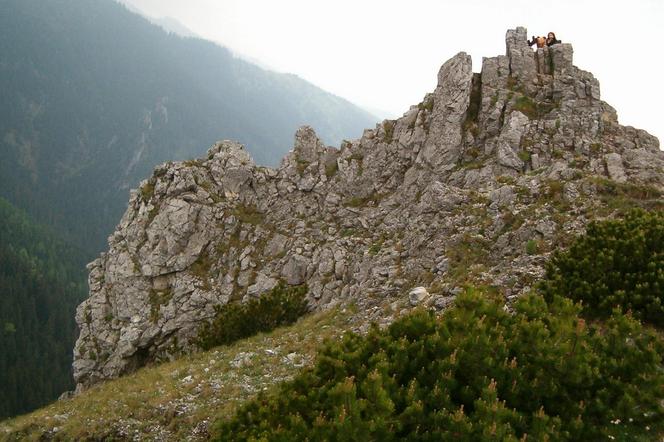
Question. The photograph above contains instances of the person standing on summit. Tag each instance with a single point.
(551, 39)
(540, 41)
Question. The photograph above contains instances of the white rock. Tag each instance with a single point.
(417, 295)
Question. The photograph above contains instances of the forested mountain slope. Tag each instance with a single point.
(41, 281)
(94, 96)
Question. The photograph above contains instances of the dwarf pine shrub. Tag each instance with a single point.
(283, 305)
(479, 373)
(617, 263)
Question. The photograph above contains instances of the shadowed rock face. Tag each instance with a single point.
(450, 193)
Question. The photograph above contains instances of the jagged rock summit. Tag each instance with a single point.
(476, 184)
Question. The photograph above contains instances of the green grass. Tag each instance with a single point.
(526, 106)
(331, 169)
(426, 105)
(362, 201)
(376, 247)
(161, 403)
(346, 233)
(555, 191)
(470, 252)
(470, 165)
(524, 156)
(388, 126)
(157, 299)
(249, 214)
(301, 166)
(201, 267)
(152, 214)
(193, 163)
(531, 108)
(147, 190)
(622, 197)
(494, 99)
(506, 179)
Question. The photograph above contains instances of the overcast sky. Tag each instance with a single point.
(385, 54)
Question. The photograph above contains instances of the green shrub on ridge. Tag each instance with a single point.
(618, 263)
(283, 305)
(478, 373)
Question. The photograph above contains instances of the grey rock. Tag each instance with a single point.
(428, 199)
(443, 302)
(544, 61)
(308, 147)
(562, 56)
(510, 139)
(175, 238)
(508, 158)
(295, 270)
(418, 295)
(614, 167)
(535, 161)
(276, 245)
(501, 197)
(263, 284)
(450, 102)
(66, 395)
(521, 58)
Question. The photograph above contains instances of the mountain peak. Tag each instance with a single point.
(475, 185)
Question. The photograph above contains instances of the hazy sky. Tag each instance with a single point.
(385, 54)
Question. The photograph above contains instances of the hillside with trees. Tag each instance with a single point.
(41, 281)
(94, 96)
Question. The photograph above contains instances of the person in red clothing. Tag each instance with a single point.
(540, 41)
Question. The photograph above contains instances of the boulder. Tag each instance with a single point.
(417, 296)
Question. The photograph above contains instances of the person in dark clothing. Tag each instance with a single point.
(540, 41)
(551, 39)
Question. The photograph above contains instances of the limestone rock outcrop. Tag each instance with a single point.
(475, 185)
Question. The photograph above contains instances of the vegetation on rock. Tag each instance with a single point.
(478, 373)
(416, 201)
(283, 305)
(535, 371)
(616, 264)
(174, 401)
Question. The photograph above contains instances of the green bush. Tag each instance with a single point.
(283, 305)
(388, 126)
(479, 373)
(615, 264)
(526, 106)
(532, 247)
(147, 190)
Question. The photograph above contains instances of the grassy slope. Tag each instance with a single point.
(177, 400)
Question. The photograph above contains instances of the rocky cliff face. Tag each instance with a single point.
(476, 184)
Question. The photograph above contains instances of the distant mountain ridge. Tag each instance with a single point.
(94, 96)
(172, 25)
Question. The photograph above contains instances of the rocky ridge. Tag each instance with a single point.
(476, 184)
